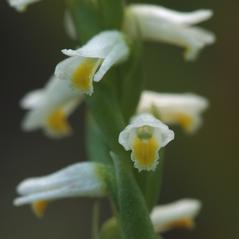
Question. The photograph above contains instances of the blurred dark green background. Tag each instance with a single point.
(204, 166)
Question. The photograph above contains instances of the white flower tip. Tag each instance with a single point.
(68, 52)
(32, 99)
(16, 202)
(201, 15)
(201, 38)
(21, 5)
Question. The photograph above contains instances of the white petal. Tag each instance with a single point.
(20, 5)
(98, 47)
(165, 216)
(82, 179)
(56, 95)
(166, 134)
(64, 70)
(33, 99)
(169, 106)
(118, 54)
(162, 13)
(157, 24)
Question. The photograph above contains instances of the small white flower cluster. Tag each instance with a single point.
(49, 108)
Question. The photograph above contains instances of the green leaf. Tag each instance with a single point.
(132, 210)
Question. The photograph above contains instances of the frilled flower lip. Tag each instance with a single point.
(145, 136)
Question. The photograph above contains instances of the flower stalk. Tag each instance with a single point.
(122, 116)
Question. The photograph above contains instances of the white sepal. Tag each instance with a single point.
(77, 180)
(177, 214)
(160, 24)
(183, 109)
(21, 5)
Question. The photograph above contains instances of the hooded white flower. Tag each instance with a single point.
(175, 215)
(183, 109)
(91, 62)
(145, 135)
(161, 24)
(81, 179)
(21, 5)
(50, 107)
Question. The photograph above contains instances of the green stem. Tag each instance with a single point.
(112, 12)
(132, 211)
(150, 183)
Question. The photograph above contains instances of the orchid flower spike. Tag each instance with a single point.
(91, 62)
(183, 109)
(180, 214)
(77, 180)
(21, 5)
(145, 135)
(50, 107)
(161, 24)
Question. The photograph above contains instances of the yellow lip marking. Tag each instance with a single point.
(184, 120)
(145, 151)
(39, 208)
(58, 123)
(82, 77)
(182, 223)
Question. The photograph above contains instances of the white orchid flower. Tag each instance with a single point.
(50, 107)
(21, 5)
(91, 62)
(179, 214)
(145, 135)
(77, 180)
(183, 109)
(161, 24)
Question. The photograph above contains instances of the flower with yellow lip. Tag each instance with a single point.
(144, 136)
(179, 214)
(77, 180)
(91, 62)
(183, 109)
(50, 107)
(21, 5)
(161, 24)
